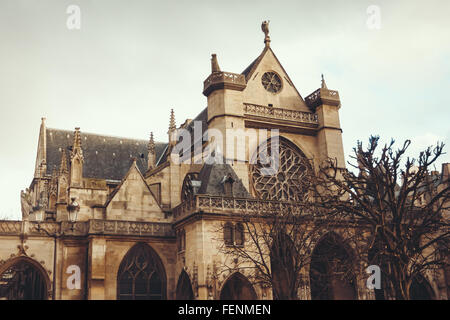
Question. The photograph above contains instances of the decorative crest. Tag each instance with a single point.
(151, 144)
(63, 165)
(265, 29)
(214, 63)
(324, 85)
(172, 125)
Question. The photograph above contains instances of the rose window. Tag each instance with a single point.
(283, 180)
(271, 82)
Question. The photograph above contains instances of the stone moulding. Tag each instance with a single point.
(281, 114)
(91, 227)
(229, 205)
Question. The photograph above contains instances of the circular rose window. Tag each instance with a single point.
(287, 179)
(271, 82)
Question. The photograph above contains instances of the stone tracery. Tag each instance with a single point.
(291, 179)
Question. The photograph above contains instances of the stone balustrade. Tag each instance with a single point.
(280, 114)
(224, 80)
(321, 96)
(229, 205)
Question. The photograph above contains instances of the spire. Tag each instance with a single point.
(151, 153)
(214, 63)
(172, 129)
(42, 149)
(54, 173)
(77, 143)
(172, 125)
(151, 144)
(324, 85)
(63, 164)
(76, 160)
(265, 29)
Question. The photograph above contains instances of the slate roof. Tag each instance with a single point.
(105, 157)
(211, 177)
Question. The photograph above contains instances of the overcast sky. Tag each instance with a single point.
(131, 61)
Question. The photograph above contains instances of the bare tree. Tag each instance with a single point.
(403, 207)
(275, 246)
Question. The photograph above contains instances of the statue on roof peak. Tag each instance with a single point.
(265, 29)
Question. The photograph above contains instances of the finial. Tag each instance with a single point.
(265, 29)
(63, 165)
(43, 120)
(214, 63)
(77, 143)
(54, 172)
(151, 144)
(77, 138)
(172, 125)
(324, 85)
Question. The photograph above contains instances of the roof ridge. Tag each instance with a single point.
(104, 135)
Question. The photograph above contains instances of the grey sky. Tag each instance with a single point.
(132, 61)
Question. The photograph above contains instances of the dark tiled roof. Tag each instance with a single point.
(105, 157)
(211, 177)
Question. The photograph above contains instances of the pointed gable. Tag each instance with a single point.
(133, 200)
(288, 97)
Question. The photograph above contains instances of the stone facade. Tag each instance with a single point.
(132, 194)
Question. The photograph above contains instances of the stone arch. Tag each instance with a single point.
(284, 180)
(421, 289)
(141, 275)
(283, 267)
(332, 275)
(23, 278)
(184, 287)
(238, 287)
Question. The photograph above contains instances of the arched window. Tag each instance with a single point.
(237, 287)
(239, 234)
(184, 288)
(23, 281)
(233, 234)
(331, 274)
(282, 266)
(228, 234)
(420, 289)
(141, 275)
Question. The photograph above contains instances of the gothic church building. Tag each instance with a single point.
(145, 223)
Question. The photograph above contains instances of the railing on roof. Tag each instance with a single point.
(222, 79)
(281, 114)
(230, 205)
(322, 95)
